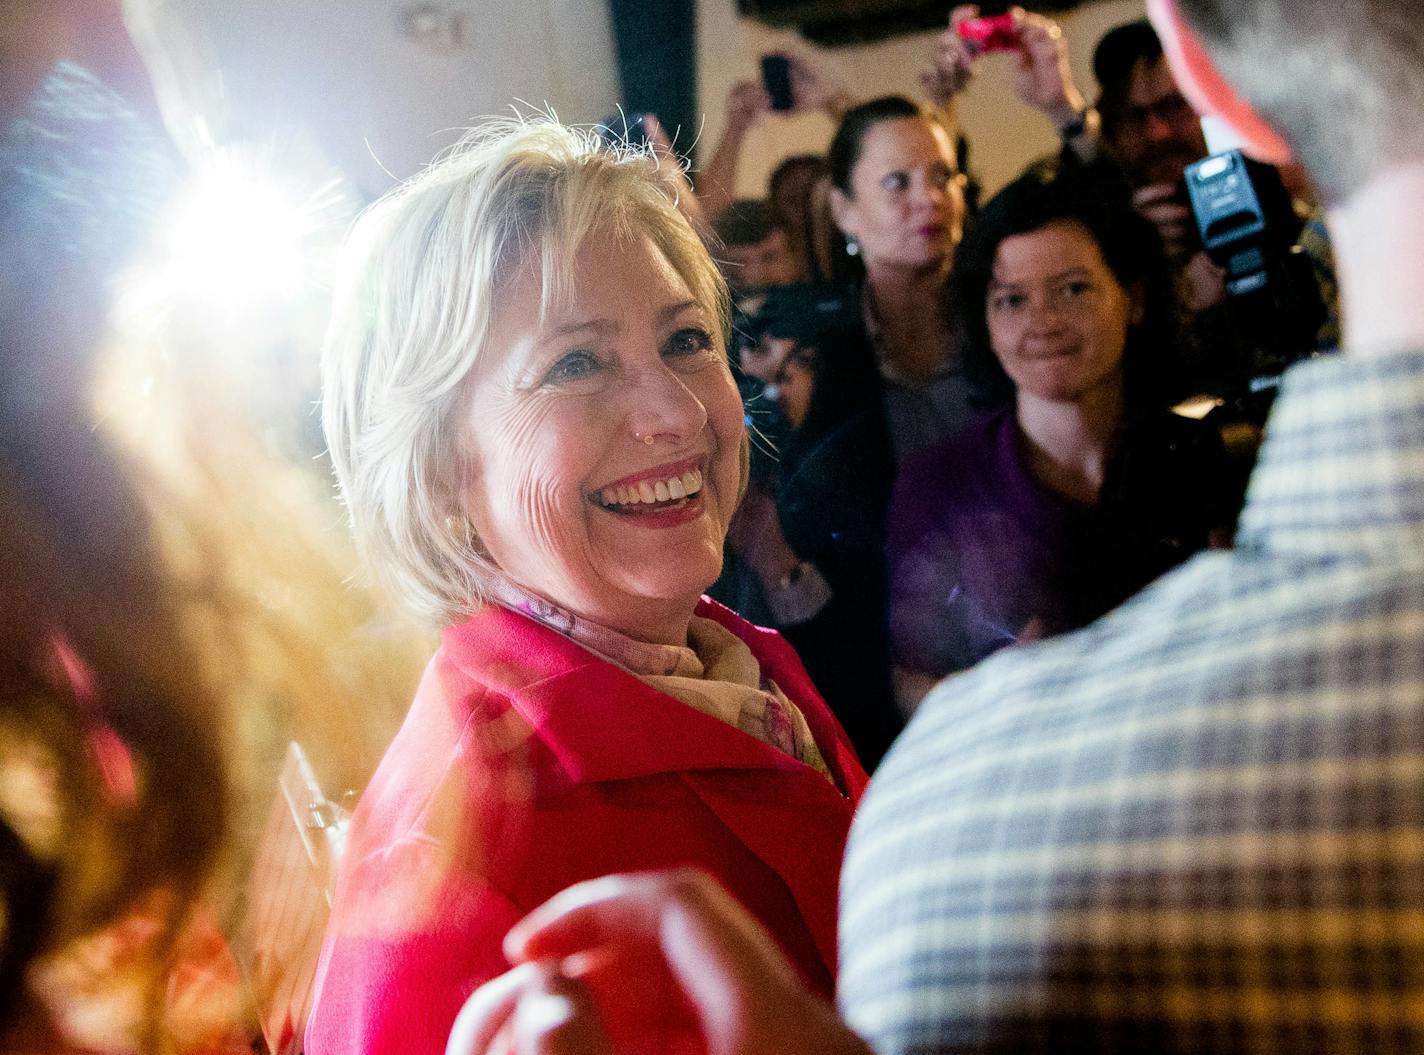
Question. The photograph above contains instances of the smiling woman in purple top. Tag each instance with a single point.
(1082, 489)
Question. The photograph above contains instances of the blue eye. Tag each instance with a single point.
(572, 367)
(1007, 301)
(688, 341)
(895, 181)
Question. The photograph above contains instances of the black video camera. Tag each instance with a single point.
(1249, 227)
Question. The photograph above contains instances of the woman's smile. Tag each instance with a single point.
(664, 496)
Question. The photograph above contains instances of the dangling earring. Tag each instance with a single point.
(852, 245)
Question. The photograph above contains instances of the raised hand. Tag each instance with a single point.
(747, 102)
(951, 60)
(1044, 78)
(815, 90)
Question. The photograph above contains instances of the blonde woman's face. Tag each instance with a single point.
(566, 492)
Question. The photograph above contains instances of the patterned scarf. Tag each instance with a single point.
(715, 673)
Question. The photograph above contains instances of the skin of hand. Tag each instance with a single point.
(813, 90)
(1044, 79)
(1204, 282)
(951, 61)
(535, 1009)
(743, 996)
(34, 36)
(1161, 203)
(755, 534)
(747, 102)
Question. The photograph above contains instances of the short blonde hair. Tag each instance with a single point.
(412, 313)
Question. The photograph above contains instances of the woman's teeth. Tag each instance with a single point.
(650, 492)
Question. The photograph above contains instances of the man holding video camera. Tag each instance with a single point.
(1197, 825)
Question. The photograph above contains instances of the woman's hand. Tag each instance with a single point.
(755, 535)
(532, 1010)
(742, 996)
(1045, 79)
(814, 90)
(951, 61)
(91, 33)
(747, 103)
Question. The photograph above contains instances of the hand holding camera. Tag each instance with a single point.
(1044, 78)
(952, 58)
(793, 84)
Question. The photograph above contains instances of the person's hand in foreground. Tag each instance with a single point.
(669, 946)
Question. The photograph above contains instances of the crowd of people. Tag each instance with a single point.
(1021, 472)
(708, 498)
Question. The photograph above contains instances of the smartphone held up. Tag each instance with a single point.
(776, 79)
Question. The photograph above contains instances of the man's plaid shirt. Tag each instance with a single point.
(1199, 823)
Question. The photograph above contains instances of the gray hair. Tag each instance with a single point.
(1343, 83)
(412, 313)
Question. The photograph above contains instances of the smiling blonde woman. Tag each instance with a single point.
(534, 426)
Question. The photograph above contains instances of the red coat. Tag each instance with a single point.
(527, 764)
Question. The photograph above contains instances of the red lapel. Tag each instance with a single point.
(623, 728)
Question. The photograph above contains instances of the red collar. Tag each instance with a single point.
(622, 727)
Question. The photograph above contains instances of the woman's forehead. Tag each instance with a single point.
(605, 276)
(1057, 245)
(902, 139)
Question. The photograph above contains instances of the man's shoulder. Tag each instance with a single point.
(1204, 633)
(1065, 802)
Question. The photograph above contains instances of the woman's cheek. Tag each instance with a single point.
(728, 419)
(540, 445)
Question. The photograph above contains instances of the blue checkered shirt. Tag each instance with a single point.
(1197, 825)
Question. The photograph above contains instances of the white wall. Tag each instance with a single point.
(1004, 133)
(369, 96)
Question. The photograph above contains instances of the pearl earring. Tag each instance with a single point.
(852, 245)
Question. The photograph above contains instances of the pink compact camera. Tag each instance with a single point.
(992, 33)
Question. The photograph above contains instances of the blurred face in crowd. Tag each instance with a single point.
(795, 381)
(906, 208)
(791, 189)
(763, 357)
(770, 262)
(1057, 315)
(561, 485)
(1157, 134)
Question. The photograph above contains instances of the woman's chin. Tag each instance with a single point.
(669, 578)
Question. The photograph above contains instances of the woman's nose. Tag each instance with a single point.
(661, 404)
(931, 191)
(1044, 313)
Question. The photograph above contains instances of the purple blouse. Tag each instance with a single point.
(982, 555)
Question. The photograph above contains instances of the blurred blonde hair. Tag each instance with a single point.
(412, 313)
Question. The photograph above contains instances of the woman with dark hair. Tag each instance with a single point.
(897, 200)
(1080, 488)
(815, 533)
